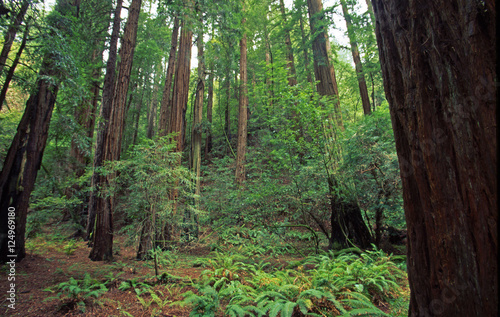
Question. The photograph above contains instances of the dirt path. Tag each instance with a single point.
(48, 264)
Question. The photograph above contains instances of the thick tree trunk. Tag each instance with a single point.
(146, 240)
(23, 160)
(363, 90)
(181, 87)
(439, 76)
(11, 34)
(243, 115)
(178, 112)
(347, 224)
(102, 243)
(166, 101)
(102, 130)
(323, 69)
(12, 69)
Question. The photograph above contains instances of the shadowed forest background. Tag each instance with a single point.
(232, 158)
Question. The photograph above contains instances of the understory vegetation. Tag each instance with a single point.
(244, 276)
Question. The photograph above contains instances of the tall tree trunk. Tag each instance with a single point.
(11, 34)
(181, 87)
(179, 105)
(12, 69)
(292, 76)
(137, 116)
(243, 105)
(363, 90)
(153, 106)
(102, 130)
(439, 75)
(102, 243)
(210, 103)
(197, 133)
(323, 69)
(227, 110)
(166, 101)
(23, 160)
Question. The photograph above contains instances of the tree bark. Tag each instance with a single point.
(166, 101)
(137, 114)
(11, 34)
(439, 75)
(210, 102)
(23, 161)
(179, 105)
(363, 89)
(197, 133)
(102, 246)
(12, 69)
(102, 130)
(181, 87)
(153, 107)
(243, 105)
(323, 69)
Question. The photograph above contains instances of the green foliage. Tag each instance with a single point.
(78, 291)
(149, 175)
(138, 287)
(371, 160)
(341, 283)
(205, 304)
(70, 247)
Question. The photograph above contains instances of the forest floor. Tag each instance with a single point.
(55, 259)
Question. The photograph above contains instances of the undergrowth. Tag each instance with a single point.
(342, 283)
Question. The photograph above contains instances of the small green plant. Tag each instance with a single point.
(78, 291)
(205, 304)
(138, 287)
(70, 247)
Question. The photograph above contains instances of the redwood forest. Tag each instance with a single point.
(248, 158)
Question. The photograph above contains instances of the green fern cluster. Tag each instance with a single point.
(332, 284)
(78, 291)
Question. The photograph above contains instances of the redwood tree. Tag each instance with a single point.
(363, 90)
(323, 68)
(166, 101)
(243, 115)
(25, 154)
(102, 128)
(439, 76)
(181, 86)
(102, 241)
